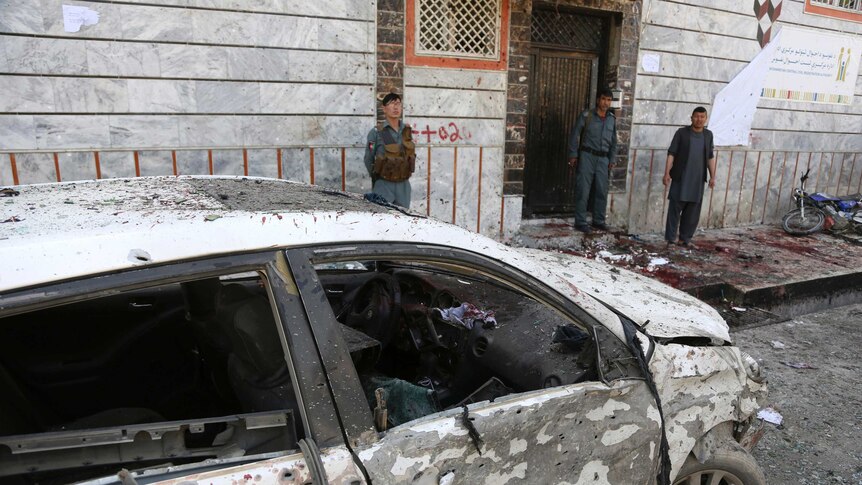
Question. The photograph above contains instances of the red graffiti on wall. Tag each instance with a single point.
(449, 132)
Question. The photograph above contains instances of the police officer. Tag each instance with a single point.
(390, 156)
(592, 150)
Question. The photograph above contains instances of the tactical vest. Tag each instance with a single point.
(398, 161)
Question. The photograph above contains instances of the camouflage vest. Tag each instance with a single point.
(398, 161)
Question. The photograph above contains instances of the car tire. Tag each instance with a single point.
(728, 465)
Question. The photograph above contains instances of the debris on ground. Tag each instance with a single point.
(770, 415)
(797, 365)
(776, 344)
(738, 309)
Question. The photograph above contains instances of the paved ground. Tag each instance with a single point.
(820, 439)
(761, 267)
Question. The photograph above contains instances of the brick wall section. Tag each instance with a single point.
(390, 49)
(623, 74)
(517, 93)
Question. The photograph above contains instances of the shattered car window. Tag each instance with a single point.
(434, 338)
(142, 379)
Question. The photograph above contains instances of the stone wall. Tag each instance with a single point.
(702, 45)
(188, 74)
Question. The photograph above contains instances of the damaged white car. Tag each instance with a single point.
(233, 330)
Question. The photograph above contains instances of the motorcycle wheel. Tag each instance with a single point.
(794, 223)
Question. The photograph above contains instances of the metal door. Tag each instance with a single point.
(563, 85)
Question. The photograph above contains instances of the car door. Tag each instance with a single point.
(535, 390)
(224, 366)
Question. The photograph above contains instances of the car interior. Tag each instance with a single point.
(174, 374)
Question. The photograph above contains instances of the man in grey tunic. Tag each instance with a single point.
(592, 151)
(390, 155)
(690, 156)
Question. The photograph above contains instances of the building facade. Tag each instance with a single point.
(491, 87)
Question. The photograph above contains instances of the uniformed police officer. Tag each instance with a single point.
(390, 156)
(592, 150)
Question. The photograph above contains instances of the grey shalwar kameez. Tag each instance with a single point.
(688, 176)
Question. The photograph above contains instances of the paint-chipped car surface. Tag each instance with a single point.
(233, 330)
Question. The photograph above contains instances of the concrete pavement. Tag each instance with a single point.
(750, 274)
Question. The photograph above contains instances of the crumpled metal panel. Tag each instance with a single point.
(583, 433)
(701, 387)
(287, 470)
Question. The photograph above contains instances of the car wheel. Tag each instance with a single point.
(730, 465)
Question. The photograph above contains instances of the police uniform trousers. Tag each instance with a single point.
(396, 192)
(592, 171)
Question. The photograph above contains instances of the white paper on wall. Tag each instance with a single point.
(74, 17)
(651, 62)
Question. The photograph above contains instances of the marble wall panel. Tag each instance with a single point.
(274, 64)
(77, 165)
(492, 191)
(6, 175)
(109, 25)
(846, 184)
(454, 78)
(89, 95)
(442, 169)
(284, 31)
(192, 162)
(162, 96)
(31, 55)
(357, 179)
(210, 131)
(692, 17)
(156, 23)
(290, 98)
(155, 162)
(771, 212)
(737, 166)
(670, 39)
(762, 171)
(332, 8)
(327, 168)
(463, 131)
(834, 173)
(691, 91)
(17, 132)
(228, 162)
(712, 211)
(656, 201)
(419, 182)
(138, 131)
(116, 165)
(296, 164)
(20, 18)
(33, 168)
(263, 163)
(454, 103)
(4, 64)
(689, 66)
(789, 180)
(467, 203)
(794, 141)
(337, 130)
(341, 67)
(105, 58)
(272, 130)
(512, 208)
(342, 35)
(227, 97)
(190, 61)
(346, 100)
(23, 94)
(854, 108)
(225, 28)
(69, 131)
(247, 63)
(855, 185)
(791, 12)
(640, 183)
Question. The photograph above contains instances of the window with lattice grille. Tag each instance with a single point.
(841, 9)
(458, 28)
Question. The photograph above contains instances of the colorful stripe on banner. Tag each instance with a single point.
(805, 96)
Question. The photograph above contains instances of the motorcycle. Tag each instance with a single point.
(813, 212)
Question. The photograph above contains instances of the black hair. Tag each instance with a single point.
(699, 109)
(606, 92)
(390, 98)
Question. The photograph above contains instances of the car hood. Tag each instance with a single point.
(662, 311)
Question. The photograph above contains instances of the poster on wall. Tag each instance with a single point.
(813, 67)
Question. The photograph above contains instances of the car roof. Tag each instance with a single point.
(66, 230)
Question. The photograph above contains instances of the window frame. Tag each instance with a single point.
(322, 313)
(316, 407)
(832, 12)
(412, 58)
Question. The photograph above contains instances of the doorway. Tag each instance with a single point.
(566, 60)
